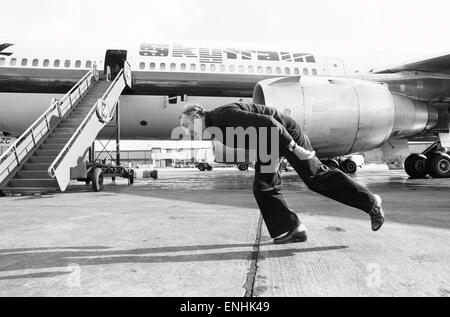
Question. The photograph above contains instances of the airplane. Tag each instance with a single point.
(342, 114)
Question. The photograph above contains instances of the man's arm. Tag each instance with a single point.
(235, 117)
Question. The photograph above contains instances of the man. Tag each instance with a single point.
(282, 223)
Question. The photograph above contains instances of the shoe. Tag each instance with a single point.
(297, 235)
(377, 214)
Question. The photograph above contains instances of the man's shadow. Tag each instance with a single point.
(64, 258)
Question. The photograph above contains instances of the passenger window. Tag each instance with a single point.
(314, 72)
(141, 65)
(251, 69)
(287, 70)
(269, 70)
(222, 68)
(88, 64)
(24, 62)
(13, 62)
(241, 69)
(212, 68)
(162, 66)
(56, 63)
(202, 67)
(173, 66)
(278, 70)
(305, 71)
(78, 64)
(2, 61)
(193, 67)
(67, 63)
(35, 62)
(152, 66)
(231, 68)
(260, 69)
(296, 71)
(46, 63)
(183, 67)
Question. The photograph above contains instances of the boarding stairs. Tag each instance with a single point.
(41, 159)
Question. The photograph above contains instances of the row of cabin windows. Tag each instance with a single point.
(45, 63)
(231, 68)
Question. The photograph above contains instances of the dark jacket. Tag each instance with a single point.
(253, 115)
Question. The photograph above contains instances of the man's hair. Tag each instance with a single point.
(192, 109)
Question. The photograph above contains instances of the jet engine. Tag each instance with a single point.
(343, 116)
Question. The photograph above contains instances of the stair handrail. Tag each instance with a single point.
(12, 149)
(56, 161)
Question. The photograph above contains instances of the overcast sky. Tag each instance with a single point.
(364, 33)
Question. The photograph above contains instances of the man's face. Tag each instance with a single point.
(192, 125)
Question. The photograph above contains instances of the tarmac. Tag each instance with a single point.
(193, 233)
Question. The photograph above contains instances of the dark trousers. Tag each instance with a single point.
(319, 178)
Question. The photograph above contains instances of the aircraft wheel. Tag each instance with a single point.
(243, 167)
(97, 180)
(438, 165)
(201, 167)
(209, 167)
(349, 166)
(331, 163)
(416, 165)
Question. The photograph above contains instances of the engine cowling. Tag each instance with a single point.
(341, 115)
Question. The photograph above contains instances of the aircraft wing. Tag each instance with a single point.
(438, 64)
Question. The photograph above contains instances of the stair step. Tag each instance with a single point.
(65, 130)
(53, 153)
(29, 190)
(60, 135)
(42, 159)
(36, 166)
(51, 146)
(33, 182)
(56, 141)
(32, 174)
(68, 126)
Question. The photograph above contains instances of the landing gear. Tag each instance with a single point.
(415, 166)
(434, 161)
(243, 167)
(349, 166)
(331, 163)
(438, 165)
